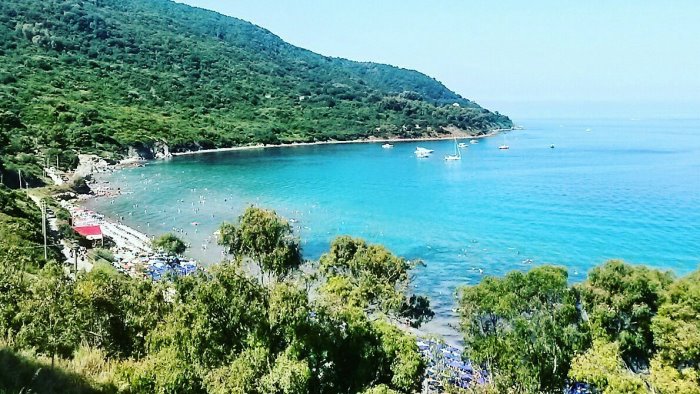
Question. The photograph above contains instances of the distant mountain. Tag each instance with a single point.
(103, 75)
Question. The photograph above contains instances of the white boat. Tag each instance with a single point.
(387, 146)
(423, 152)
(474, 141)
(504, 146)
(462, 145)
(457, 155)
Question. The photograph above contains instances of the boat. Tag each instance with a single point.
(457, 155)
(423, 152)
(387, 146)
(504, 146)
(462, 145)
(551, 146)
(474, 141)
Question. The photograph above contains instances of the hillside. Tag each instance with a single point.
(100, 76)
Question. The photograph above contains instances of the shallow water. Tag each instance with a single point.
(624, 189)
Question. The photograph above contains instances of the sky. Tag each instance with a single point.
(527, 59)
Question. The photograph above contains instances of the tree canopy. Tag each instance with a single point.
(170, 244)
(265, 238)
(372, 278)
(525, 328)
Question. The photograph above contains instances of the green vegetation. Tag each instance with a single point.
(219, 331)
(21, 239)
(104, 76)
(170, 244)
(626, 329)
(259, 323)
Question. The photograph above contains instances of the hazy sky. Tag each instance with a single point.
(524, 58)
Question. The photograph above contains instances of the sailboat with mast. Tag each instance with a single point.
(505, 145)
(457, 155)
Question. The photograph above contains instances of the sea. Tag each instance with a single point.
(572, 193)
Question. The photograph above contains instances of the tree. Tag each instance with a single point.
(669, 380)
(372, 278)
(266, 239)
(242, 375)
(13, 290)
(170, 244)
(676, 327)
(621, 301)
(214, 316)
(288, 375)
(48, 314)
(602, 366)
(525, 328)
(116, 312)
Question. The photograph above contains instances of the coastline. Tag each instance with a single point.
(370, 140)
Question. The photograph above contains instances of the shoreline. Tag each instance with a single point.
(370, 140)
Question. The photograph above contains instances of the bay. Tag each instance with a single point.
(626, 189)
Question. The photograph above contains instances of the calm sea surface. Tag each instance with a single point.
(625, 189)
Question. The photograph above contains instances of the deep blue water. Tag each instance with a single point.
(625, 189)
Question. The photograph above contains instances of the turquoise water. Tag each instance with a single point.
(623, 189)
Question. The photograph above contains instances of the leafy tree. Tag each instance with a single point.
(525, 328)
(621, 301)
(170, 244)
(288, 375)
(266, 239)
(372, 278)
(380, 389)
(213, 317)
(48, 314)
(603, 367)
(676, 327)
(13, 290)
(161, 372)
(242, 375)
(117, 312)
(666, 379)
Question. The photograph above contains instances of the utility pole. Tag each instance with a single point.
(20, 179)
(43, 227)
(75, 259)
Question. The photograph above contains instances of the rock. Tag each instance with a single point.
(89, 164)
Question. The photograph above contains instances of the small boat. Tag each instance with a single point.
(423, 152)
(474, 141)
(505, 145)
(387, 146)
(462, 145)
(551, 146)
(457, 155)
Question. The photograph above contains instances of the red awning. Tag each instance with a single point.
(89, 232)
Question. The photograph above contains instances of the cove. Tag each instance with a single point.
(626, 189)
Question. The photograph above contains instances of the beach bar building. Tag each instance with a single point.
(92, 233)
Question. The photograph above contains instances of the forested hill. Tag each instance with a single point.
(98, 76)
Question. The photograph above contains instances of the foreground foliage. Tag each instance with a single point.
(626, 329)
(220, 331)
